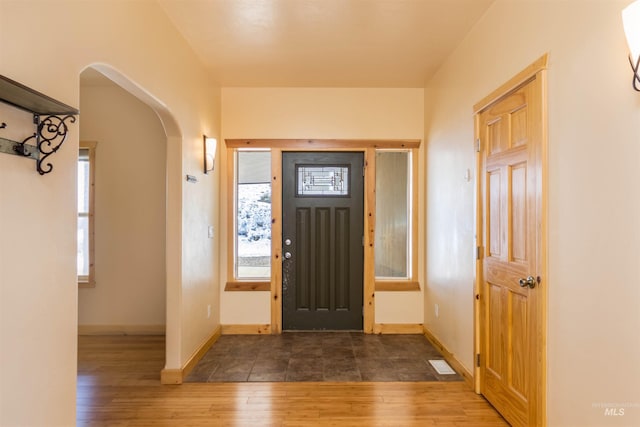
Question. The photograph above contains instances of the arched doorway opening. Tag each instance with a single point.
(138, 210)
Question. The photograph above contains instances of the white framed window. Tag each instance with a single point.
(86, 214)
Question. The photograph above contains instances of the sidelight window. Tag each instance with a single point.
(252, 215)
(394, 219)
(391, 182)
(85, 234)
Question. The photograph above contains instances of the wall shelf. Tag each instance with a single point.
(51, 120)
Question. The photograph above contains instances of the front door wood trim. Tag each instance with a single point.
(368, 147)
(323, 144)
(369, 233)
(537, 70)
(276, 241)
(333, 291)
(276, 232)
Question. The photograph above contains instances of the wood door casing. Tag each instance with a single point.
(279, 146)
(323, 278)
(511, 326)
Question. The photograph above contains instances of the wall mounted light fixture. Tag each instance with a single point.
(209, 145)
(631, 23)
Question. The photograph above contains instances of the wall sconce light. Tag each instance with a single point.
(209, 145)
(631, 24)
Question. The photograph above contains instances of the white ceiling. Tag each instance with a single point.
(323, 43)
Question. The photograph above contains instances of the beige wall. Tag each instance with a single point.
(130, 207)
(38, 304)
(594, 202)
(321, 113)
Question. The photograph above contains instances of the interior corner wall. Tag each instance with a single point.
(130, 206)
(593, 202)
(38, 214)
(320, 113)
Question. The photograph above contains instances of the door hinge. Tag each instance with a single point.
(363, 241)
(478, 360)
(363, 169)
(477, 145)
(478, 252)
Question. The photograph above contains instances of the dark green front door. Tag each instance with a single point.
(323, 215)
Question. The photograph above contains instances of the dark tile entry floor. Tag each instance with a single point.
(319, 356)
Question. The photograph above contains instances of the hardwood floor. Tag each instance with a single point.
(119, 385)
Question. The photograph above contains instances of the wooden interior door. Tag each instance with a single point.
(511, 324)
(323, 234)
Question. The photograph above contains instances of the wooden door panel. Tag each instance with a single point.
(518, 206)
(495, 334)
(513, 408)
(506, 377)
(505, 274)
(518, 344)
(508, 327)
(518, 122)
(495, 136)
(494, 216)
(508, 104)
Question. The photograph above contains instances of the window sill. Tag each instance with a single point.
(84, 285)
(247, 286)
(397, 286)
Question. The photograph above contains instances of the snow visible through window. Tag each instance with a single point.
(253, 226)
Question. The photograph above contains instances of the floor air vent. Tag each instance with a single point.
(442, 367)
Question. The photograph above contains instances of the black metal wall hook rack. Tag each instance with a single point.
(50, 117)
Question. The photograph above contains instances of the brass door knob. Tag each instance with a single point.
(528, 282)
